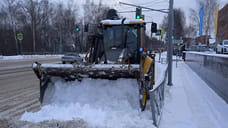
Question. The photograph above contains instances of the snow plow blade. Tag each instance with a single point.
(70, 72)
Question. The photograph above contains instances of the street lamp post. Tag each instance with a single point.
(170, 48)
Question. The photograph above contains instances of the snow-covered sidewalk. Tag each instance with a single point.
(191, 103)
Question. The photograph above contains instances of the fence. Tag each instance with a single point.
(157, 100)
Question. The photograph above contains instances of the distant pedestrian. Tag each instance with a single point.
(183, 52)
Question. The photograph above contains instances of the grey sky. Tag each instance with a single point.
(157, 17)
(158, 4)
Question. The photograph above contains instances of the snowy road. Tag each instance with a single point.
(190, 103)
(19, 86)
(25, 63)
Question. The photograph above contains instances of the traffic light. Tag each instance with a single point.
(138, 13)
(77, 29)
(153, 27)
(142, 17)
(172, 37)
(86, 28)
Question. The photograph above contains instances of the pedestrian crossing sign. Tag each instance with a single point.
(159, 32)
(20, 36)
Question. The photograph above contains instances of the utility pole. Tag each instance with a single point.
(170, 48)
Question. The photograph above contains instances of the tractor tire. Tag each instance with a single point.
(142, 96)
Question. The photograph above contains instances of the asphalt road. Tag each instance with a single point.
(19, 86)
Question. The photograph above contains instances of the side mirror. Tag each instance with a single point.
(153, 27)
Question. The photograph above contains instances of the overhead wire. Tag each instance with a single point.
(153, 2)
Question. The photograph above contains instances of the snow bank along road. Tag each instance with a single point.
(19, 87)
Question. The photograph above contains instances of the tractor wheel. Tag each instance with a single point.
(142, 96)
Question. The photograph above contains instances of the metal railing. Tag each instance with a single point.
(157, 100)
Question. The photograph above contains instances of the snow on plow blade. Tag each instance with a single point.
(70, 72)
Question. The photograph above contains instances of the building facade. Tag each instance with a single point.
(222, 30)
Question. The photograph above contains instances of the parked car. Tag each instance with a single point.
(222, 47)
(71, 58)
(199, 48)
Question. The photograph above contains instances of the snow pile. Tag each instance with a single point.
(101, 103)
(18, 57)
(213, 54)
(159, 73)
(160, 68)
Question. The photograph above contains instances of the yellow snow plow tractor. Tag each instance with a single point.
(117, 51)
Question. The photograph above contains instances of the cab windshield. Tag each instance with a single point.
(114, 44)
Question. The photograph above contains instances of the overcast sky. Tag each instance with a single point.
(157, 17)
(185, 5)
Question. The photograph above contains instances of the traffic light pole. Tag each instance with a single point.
(158, 10)
(170, 48)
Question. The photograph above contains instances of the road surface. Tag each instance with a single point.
(19, 86)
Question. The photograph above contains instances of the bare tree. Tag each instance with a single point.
(208, 15)
(44, 28)
(190, 30)
(11, 6)
(46, 24)
(179, 24)
(95, 11)
(3, 28)
(32, 9)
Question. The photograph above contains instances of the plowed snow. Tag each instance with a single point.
(100, 103)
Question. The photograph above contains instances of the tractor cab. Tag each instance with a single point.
(119, 41)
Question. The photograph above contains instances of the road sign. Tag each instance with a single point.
(159, 32)
(20, 36)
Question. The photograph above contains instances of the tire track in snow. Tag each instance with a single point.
(17, 101)
(29, 108)
(17, 93)
(20, 107)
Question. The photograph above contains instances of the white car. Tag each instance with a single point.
(222, 47)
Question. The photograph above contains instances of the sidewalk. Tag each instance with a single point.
(190, 103)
